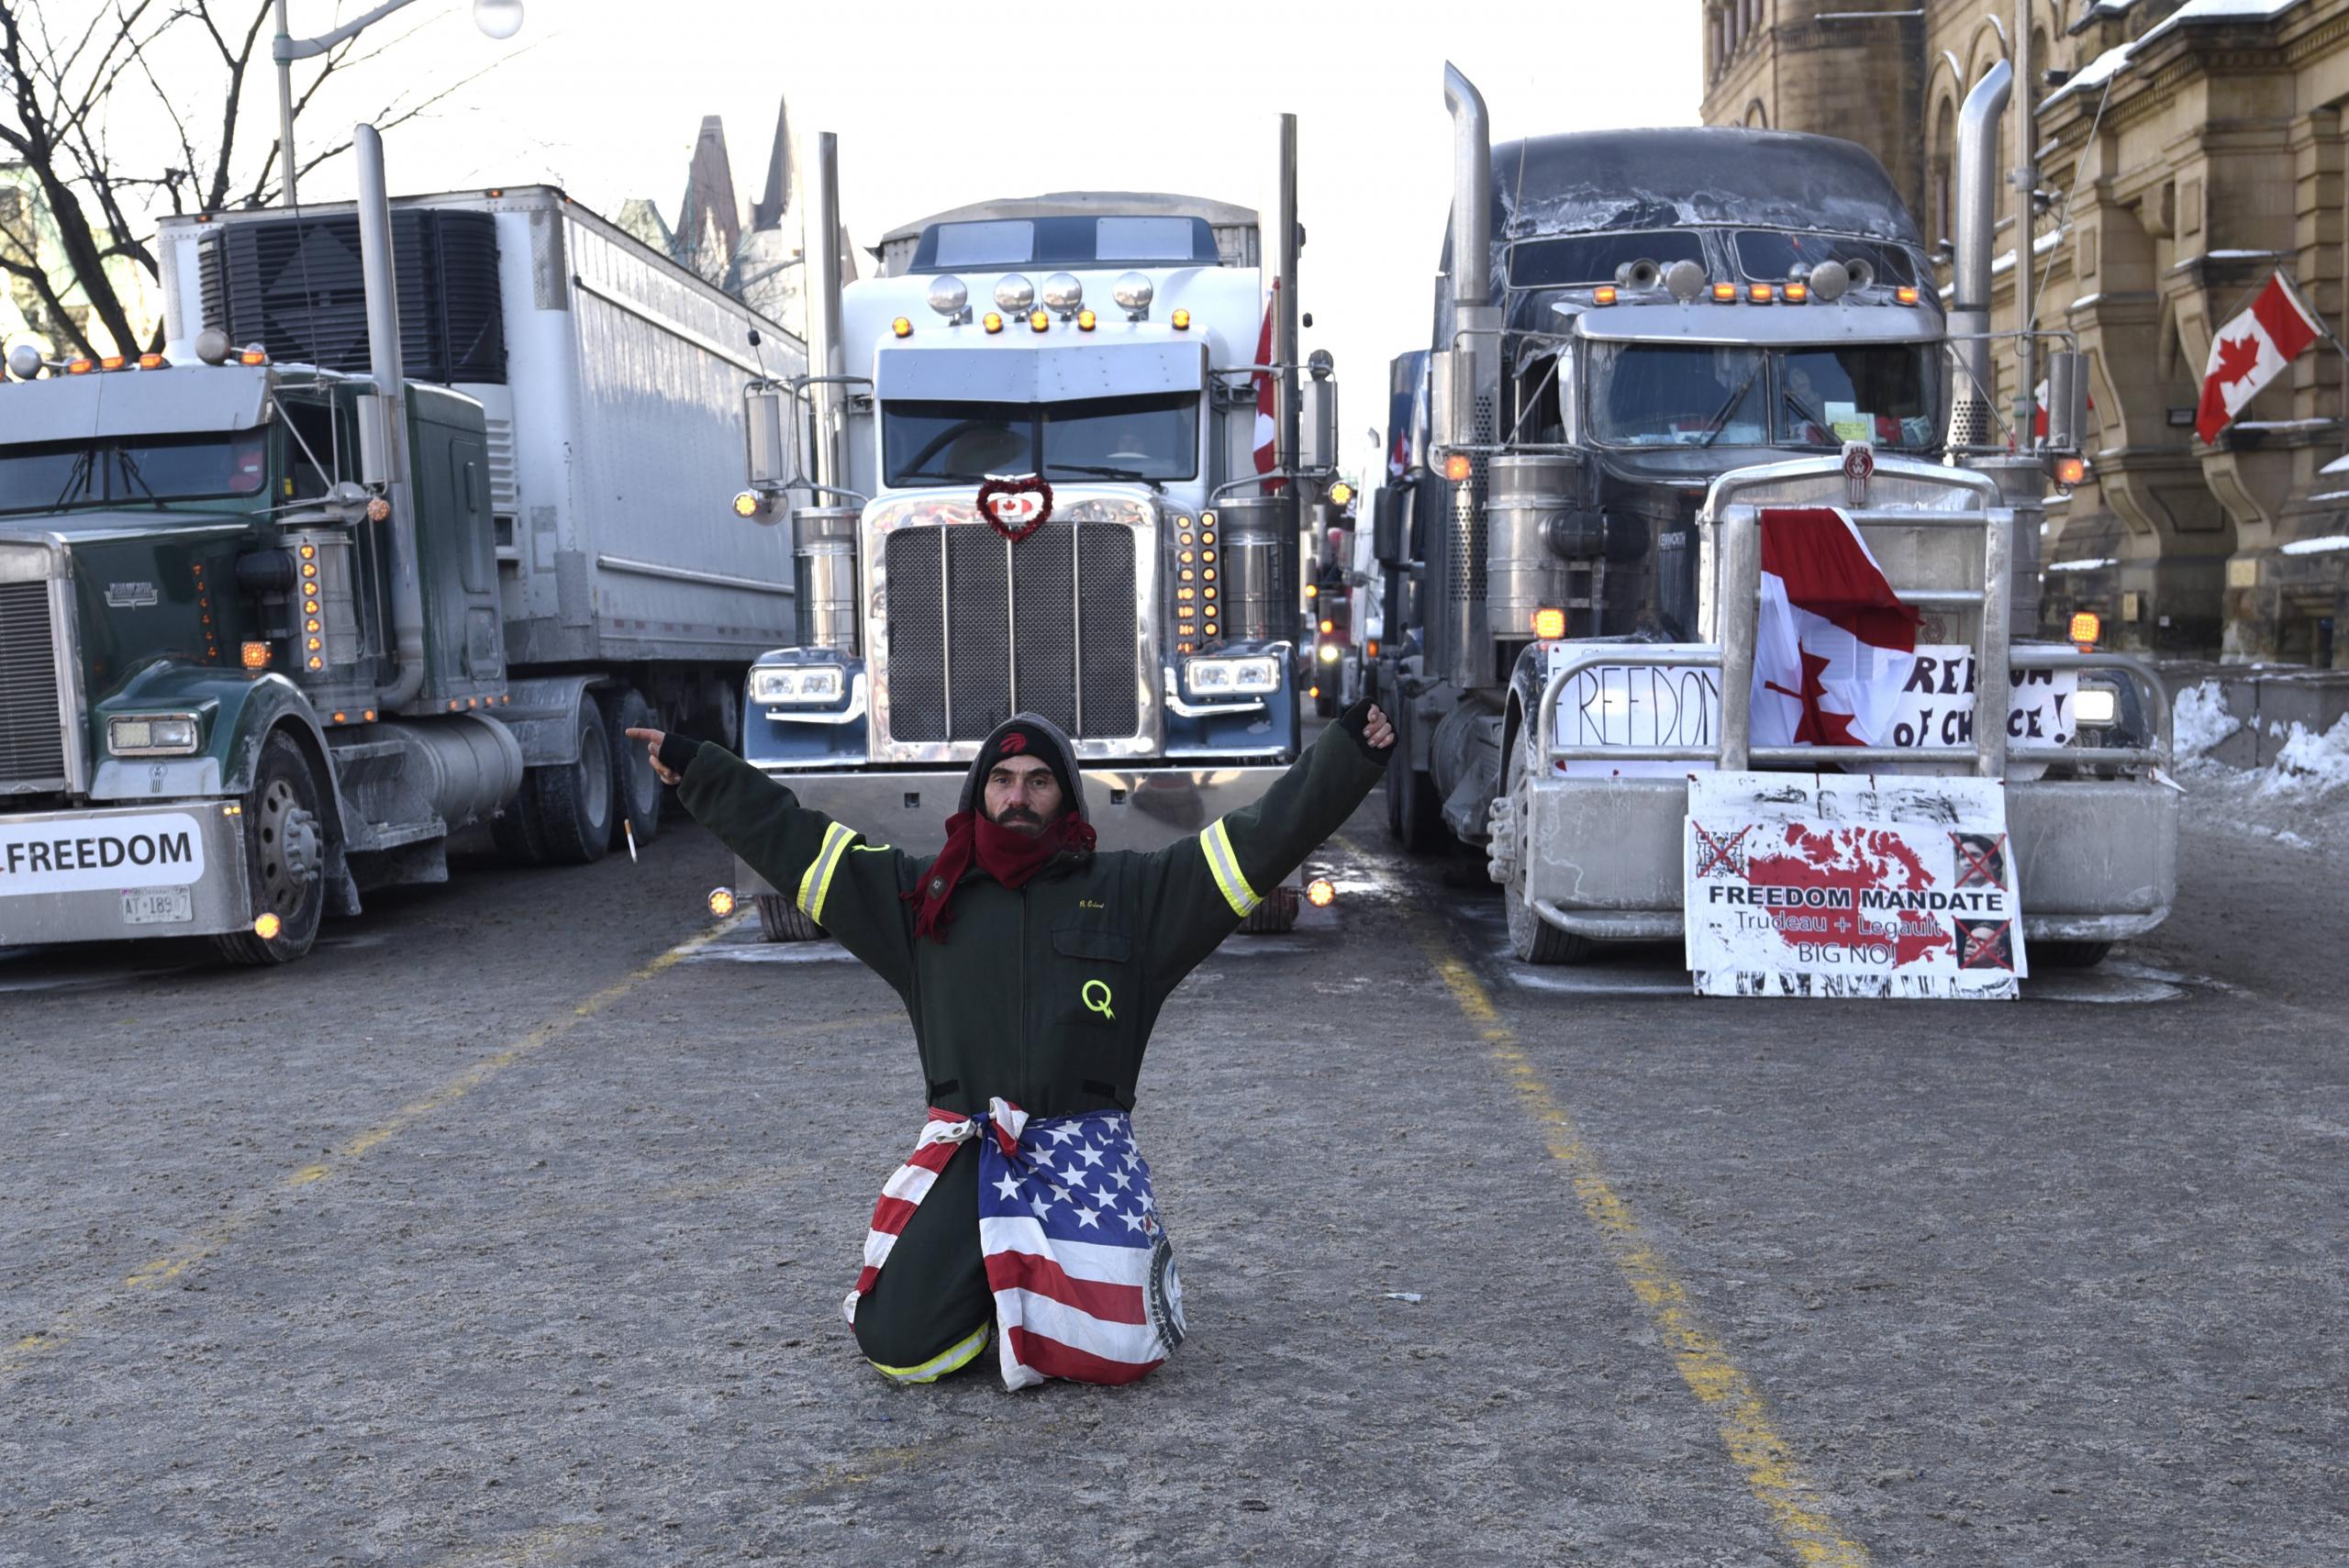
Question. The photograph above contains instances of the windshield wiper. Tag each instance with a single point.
(1105, 473)
(78, 478)
(131, 475)
(1720, 421)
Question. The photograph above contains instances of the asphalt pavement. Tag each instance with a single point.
(512, 1228)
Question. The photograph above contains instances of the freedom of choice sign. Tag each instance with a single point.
(1810, 885)
(158, 849)
(1621, 706)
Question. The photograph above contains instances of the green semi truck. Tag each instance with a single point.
(279, 619)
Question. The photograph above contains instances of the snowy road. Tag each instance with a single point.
(512, 1227)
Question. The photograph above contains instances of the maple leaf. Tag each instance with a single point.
(2238, 357)
(1819, 726)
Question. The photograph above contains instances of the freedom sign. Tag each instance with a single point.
(1626, 706)
(1814, 885)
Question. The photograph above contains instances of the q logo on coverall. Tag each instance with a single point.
(1100, 1003)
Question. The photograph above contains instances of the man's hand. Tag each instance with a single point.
(1371, 728)
(652, 739)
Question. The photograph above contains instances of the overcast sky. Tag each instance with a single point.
(937, 106)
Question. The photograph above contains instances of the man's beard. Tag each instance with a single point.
(1019, 819)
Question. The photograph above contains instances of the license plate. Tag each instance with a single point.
(157, 907)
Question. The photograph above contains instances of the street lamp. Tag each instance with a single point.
(497, 18)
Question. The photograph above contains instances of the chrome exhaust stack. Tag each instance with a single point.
(386, 413)
(1972, 421)
(1464, 375)
(824, 535)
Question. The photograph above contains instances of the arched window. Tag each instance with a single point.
(1941, 176)
(1756, 117)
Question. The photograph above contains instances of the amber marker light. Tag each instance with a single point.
(1762, 293)
(252, 356)
(378, 510)
(1549, 625)
(2087, 626)
(1725, 293)
(1039, 320)
(1084, 321)
(1328, 626)
(902, 328)
(1905, 295)
(154, 362)
(1797, 293)
(1321, 893)
(1457, 468)
(266, 926)
(1603, 294)
(992, 322)
(2071, 470)
(255, 655)
(1341, 493)
(721, 902)
(1181, 321)
(80, 367)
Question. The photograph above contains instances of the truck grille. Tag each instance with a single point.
(980, 628)
(32, 736)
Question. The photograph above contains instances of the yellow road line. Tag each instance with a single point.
(213, 1236)
(1765, 1459)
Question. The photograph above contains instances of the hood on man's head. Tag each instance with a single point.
(1035, 736)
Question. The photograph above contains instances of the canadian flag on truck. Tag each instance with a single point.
(2251, 350)
(1267, 395)
(1834, 645)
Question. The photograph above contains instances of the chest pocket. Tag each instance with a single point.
(1094, 978)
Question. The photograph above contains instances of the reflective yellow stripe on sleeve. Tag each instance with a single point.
(1224, 862)
(817, 880)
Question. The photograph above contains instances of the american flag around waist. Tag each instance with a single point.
(1082, 1272)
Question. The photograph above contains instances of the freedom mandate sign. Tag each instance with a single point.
(1815, 884)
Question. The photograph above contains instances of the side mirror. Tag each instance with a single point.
(1387, 526)
(1317, 426)
(766, 406)
(373, 412)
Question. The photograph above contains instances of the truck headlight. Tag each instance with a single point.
(797, 685)
(2095, 707)
(160, 735)
(1252, 676)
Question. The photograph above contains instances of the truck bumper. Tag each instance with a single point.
(2098, 857)
(75, 888)
(1131, 808)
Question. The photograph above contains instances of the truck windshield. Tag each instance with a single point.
(1651, 395)
(1150, 438)
(142, 470)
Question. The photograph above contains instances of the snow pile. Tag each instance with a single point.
(2199, 721)
(2310, 765)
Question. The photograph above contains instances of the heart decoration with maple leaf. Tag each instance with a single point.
(1015, 508)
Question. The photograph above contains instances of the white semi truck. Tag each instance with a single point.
(1643, 338)
(1139, 586)
(421, 504)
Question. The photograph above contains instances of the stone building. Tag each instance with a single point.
(2187, 150)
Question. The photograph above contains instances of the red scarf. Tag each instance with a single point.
(1006, 854)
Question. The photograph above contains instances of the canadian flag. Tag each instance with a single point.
(1834, 644)
(1267, 397)
(2251, 350)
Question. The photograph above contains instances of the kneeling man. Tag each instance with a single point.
(1033, 967)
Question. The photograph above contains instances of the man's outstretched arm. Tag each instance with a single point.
(1208, 884)
(844, 884)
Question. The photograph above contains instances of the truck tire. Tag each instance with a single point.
(1275, 915)
(635, 787)
(780, 920)
(2069, 955)
(1533, 938)
(1412, 810)
(575, 802)
(286, 846)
